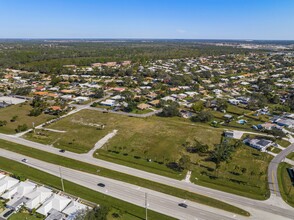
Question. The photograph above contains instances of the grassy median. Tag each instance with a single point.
(286, 188)
(77, 165)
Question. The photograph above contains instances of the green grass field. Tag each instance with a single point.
(155, 138)
(130, 211)
(62, 161)
(22, 113)
(244, 174)
(286, 188)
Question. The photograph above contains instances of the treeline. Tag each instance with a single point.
(50, 57)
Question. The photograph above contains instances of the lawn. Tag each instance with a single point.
(22, 113)
(286, 188)
(24, 216)
(291, 156)
(136, 212)
(244, 174)
(85, 167)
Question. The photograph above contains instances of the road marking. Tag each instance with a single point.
(274, 185)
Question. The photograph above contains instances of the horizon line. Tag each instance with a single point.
(134, 38)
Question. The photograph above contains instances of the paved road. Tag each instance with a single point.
(273, 168)
(101, 142)
(158, 202)
(258, 209)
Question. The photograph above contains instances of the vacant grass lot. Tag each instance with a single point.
(286, 188)
(244, 174)
(85, 167)
(130, 211)
(155, 138)
(22, 112)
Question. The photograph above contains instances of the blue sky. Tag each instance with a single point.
(191, 19)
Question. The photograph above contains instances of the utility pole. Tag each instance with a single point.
(61, 179)
(33, 126)
(146, 206)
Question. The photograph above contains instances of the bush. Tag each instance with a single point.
(21, 128)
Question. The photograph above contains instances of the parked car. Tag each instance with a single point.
(6, 214)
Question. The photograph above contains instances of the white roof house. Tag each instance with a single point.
(37, 197)
(73, 209)
(19, 190)
(55, 202)
(6, 183)
(2, 176)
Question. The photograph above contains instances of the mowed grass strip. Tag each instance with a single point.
(82, 192)
(285, 185)
(85, 167)
(22, 112)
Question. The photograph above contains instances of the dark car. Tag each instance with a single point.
(6, 214)
(101, 184)
(61, 151)
(183, 205)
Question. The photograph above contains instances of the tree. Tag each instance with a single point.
(203, 116)
(198, 106)
(3, 123)
(222, 105)
(14, 118)
(98, 93)
(222, 152)
(21, 128)
(98, 213)
(170, 110)
(185, 162)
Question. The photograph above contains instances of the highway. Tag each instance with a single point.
(258, 209)
(158, 202)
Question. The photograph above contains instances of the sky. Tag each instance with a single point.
(163, 19)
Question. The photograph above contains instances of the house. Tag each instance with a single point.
(81, 99)
(6, 183)
(259, 144)
(286, 122)
(268, 126)
(229, 134)
(17, 195)
(234, 101)
(37, 197)
(19, 190)
(143, 106)
(55, 202)
(108, 102)
(73, 209)
(154, 102)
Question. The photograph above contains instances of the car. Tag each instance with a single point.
(101, 184)
(25, 160)
(61, 151)
(6, 214)
(183, 205)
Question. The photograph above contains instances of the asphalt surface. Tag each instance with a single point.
(258, 209)
(158, 202)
